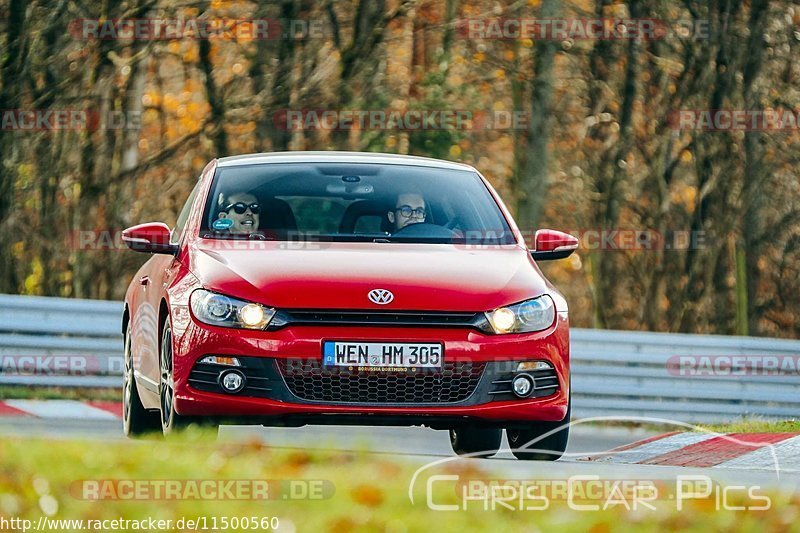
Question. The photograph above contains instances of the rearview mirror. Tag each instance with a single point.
(152, 237)
(551, 244)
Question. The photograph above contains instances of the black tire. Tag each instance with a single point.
(549, 448)
(171, 421)
(136, 420)
(484, 442)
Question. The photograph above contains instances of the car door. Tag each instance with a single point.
(158, 273)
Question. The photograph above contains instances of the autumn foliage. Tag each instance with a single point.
(577, 133)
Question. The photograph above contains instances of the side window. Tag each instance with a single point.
(180, 225)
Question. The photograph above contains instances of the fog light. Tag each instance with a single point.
(232, 381)
(522, 385)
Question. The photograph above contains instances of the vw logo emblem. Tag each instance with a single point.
(380, 296)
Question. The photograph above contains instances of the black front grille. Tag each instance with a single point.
(310, 381)
(308, 317)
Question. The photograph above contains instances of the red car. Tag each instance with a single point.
(348, 288)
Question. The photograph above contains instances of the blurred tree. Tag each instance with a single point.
(533, 181)
(601, 150)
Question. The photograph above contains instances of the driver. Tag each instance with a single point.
(409, 208)
(243, 208)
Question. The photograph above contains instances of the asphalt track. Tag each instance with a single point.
(385, 440)
(421, 446)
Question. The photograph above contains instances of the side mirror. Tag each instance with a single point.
(152, 237)
(551, 244)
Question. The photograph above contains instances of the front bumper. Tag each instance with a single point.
(268, 354)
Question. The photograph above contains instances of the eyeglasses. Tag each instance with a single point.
(407, 211)
(241, 207)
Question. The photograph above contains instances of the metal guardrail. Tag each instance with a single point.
(86, 334)
(629, 373)
(615, 373)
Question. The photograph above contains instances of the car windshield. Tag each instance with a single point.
(351, 203)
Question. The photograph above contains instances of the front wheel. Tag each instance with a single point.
(171, 421)
(549, 448)
(136, 420)
(478, 442)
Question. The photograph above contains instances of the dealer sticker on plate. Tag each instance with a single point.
(382, 355)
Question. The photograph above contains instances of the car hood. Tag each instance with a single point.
(421, 277)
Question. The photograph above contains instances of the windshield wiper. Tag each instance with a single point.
(238, 237)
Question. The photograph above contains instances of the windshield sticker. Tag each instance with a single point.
(222, 224)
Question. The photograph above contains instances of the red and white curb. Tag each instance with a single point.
(63, 409)
(757, 451)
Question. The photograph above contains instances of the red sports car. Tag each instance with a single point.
(348, 288)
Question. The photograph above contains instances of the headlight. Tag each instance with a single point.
(220, 310)
(524, 317)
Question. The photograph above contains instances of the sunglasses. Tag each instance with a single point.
(407, 211)
(241, 207)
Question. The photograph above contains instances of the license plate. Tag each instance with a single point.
(382, 355)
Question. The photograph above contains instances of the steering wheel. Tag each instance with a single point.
(453, 223)
(425, 229)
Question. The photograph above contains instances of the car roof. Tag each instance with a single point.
(339, 157)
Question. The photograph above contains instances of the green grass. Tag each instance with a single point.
(16, 392)
(756, 426)
(366, 492)
(631, 424)
(746, 425)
